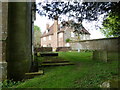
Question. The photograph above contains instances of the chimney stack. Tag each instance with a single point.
(55, 33)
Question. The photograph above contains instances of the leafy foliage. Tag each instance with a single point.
(112, 23)
(36, 28)
(68, 40)
(111, 26)
(37, 35)
(86, 10)
(10, 83)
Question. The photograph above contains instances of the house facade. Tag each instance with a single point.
(56, 35)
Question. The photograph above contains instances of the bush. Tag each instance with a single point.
(68, 40)
(10, 83)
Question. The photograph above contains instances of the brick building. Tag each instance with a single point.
(56, 35)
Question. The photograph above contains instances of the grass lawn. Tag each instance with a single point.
(86, 73)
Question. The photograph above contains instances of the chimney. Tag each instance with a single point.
(55, 26)
(55, 33)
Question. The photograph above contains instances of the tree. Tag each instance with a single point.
(76, 10)
(111, 26)
(37, 35)
(112, 22)
(86, 10)
(68, 40)
(36, 28)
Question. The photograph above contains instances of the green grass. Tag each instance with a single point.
(86, 73)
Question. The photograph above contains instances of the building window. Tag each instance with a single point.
(60, 35)
(61, 25)
(49, 37)
(49, 45)
(67, 45)
(44, 38)
(44, 45)
(72, 34)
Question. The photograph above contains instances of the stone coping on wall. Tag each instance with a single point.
(95, 39)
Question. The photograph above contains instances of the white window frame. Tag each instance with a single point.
(44, 38)
(67, 44)
(72, 34)
(60, 35)
(44, 45)
(49, 37)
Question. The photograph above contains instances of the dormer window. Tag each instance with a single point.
(61, 25)
(47, 30)
(44, 38)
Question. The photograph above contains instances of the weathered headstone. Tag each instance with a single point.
(100, 55)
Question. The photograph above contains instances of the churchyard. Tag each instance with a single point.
(94, 65)
(85, 73)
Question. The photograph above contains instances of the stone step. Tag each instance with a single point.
(56, 64)
(33, 74)
(48, 54)
(60, 61)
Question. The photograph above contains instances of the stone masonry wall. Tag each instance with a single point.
(109, 44)
(15, 39)
(19, 43)
(105, 49)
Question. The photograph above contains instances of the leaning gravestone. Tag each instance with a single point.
(100, 55)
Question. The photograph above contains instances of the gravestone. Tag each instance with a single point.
(100, 55)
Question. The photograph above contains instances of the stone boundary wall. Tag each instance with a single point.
(109, 44)
(105, 49)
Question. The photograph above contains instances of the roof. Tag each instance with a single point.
(49, 33)
(84, 31)
(51, 28)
